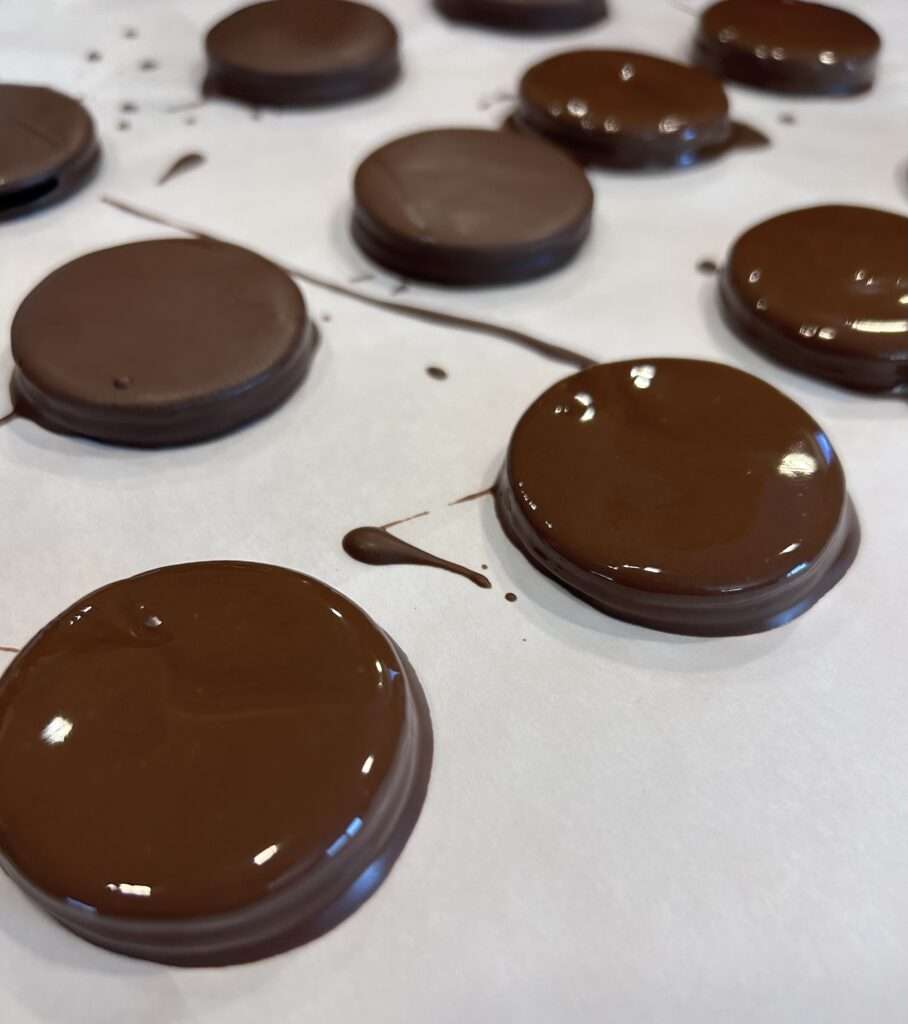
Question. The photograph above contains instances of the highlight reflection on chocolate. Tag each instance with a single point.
(159, 343)
(49, 148)
(625, 109)
(788, 46)
(825, 290)
(209, 763)
(682, 495)
(300, 54)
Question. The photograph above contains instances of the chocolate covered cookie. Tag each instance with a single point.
(788, 46)
(529, 15)
(49, 148)
(208, 763)
(468, 206)
(825, 290)
(682, 495)
(625, 110)
(284, 54)
(159, 343)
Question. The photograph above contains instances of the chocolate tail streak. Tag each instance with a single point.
(517, 337)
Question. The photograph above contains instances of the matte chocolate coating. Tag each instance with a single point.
(825, 290)
(208, 763)
(788, 46)
(158, 343)
(682, 495)
(286, 53)
(625, 109)
(469, 206)
(49, 148)
(530, 15)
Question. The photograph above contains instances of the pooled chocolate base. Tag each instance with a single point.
(725, 615)
(538, 16)
(264, 712)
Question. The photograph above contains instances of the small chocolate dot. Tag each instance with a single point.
(510, 597)
(437, 373)
(148, 65)
(189, 120)
(129, 108)
(93, 56)
(787, 119)
(707, 266)
(326, 318)
(122, 125)
(130, 33)
(122, 382)
(484, 565)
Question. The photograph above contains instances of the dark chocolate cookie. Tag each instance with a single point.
(529, 15)
(209, 763)
(159, 343)
(682, 495)
(468, 206)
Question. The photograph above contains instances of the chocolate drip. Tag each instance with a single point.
(182, 164)
(547, 349)
(375, 546)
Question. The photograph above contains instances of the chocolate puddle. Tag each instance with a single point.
(182, 164)
(547, 349)
(375, 546)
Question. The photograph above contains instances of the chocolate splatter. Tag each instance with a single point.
(400, 287)
(547, 349)
(182, 164)
(93, 55)
(122, 125)
(483, 566)
(708, 267)
(745, 136)
(9, 650)
(189, 120)
(437, 373)
(128, 108)
(406, 519)
(374, 546)
(148, 65)
(130, 33)
(510, 597)
(471, 497)
(787, 119)
(326, 318)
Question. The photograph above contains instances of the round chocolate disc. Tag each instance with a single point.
(625, 109)
(469, 206)
(825, 290)
(208, 763)
(532, 15)
(49, 148)
(683, 495)
(788, 46)
(158, 343)
(284, 53)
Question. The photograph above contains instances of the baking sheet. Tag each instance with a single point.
(621, 825)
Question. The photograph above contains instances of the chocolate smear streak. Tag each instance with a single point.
(9, 650)
(546, 349)
(375, 546)
(182, 164)
(471, 497)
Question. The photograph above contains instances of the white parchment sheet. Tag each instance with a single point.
(621, 825)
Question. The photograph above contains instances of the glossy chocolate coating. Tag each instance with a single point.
(162, 342)
(49, 148)
(624, 109)
(285, 53)
(683, 495)
(825, 290)
(530, 15)
(208, 763)
(469, 206)
(788, 46)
